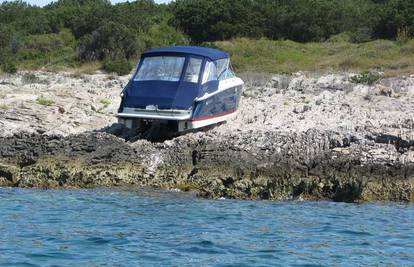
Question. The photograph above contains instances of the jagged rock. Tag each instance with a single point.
(345, 148)
(301, 109)
(313, 164)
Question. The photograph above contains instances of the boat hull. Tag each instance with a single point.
(209, 109)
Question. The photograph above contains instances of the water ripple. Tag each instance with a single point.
(147, 228)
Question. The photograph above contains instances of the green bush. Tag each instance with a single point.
(366, 77)
(9, 67)
(49, 42)
(105, 102)
(361, 35)
(46, 49)
(4, 107)
(344, 37)
(119, 66)
(162, 35)
(111, 40)
(44, 101)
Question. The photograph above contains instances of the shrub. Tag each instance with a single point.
(162, 35)
(112, 40)
(9, 67)
(403, 35)
(3, 107)
(49, 42)
(366, 77)
(344, 37)
(105, 102)
(30, 78)
(361, 35)
(47, 49)
(118, 66)
(41, 100)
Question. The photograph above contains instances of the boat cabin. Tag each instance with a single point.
(184, 87)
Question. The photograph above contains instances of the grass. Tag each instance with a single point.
(4, 107)
(89, 68)
(41, 100)
(266, 56)
(105, 102)
(78, 68)
(390, 57)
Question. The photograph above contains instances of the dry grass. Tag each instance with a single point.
(78, 70)
(255, 79)
(89, 68)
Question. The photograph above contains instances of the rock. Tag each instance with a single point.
(344, 147)
(383, 90)
(72, 101)
(301, 109)
(280, 82)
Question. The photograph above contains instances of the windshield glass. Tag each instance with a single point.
(167, 68)
(193, 70)
(222, 65)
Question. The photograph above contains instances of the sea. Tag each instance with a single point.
(119, 227)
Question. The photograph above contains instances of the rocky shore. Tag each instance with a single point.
(300, 136)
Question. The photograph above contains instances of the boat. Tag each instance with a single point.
(180, 88)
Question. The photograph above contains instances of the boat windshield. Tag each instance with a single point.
(160, 68)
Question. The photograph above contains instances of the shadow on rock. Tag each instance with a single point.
(152, 133)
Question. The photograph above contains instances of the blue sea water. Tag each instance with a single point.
(157, 228)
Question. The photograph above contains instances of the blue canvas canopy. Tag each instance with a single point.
(210, 53)
(165, 94)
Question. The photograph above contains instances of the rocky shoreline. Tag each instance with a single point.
(302, 136)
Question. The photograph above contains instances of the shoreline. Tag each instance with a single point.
(333, 171)
(301, 136)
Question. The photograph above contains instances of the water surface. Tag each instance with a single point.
(156, 228)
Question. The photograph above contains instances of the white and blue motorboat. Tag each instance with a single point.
(180, 88)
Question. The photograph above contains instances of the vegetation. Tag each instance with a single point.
(44, 101)
(28, 78)
(70, 33)
(271, 56)
(341, 34)
(9, 67)
(297, 20)
(366, 78)
(4, 107)
(120, 66)
(105, 102)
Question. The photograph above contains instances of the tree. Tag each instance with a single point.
(395, 15)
